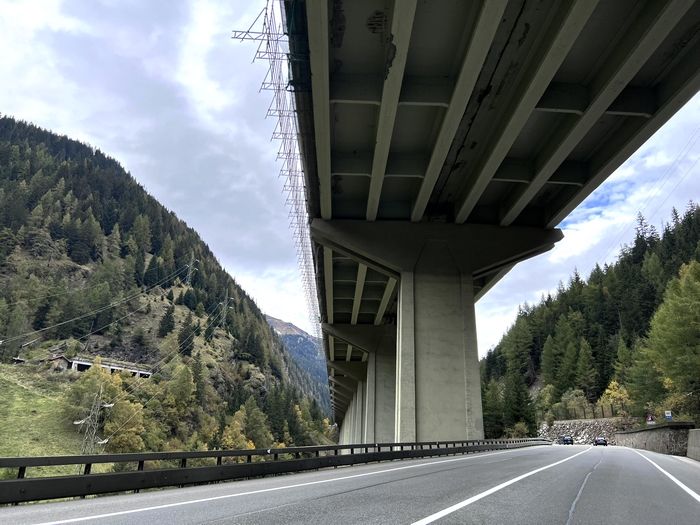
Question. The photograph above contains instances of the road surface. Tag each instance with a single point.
(539, 485)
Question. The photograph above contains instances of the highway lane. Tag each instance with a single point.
(559, 484)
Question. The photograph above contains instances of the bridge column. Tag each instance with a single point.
(442, 268)
(379, 343)
(437, 378)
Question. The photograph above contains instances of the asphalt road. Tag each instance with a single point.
(538, 485)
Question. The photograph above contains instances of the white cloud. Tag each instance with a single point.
(278, 292)
(209, 23)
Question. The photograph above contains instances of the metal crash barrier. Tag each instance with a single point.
(147, 470)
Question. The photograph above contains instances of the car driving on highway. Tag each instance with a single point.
(600, 440)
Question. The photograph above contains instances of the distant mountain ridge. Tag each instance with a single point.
(285, 328)
(305, 350)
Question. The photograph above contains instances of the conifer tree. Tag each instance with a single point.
(139, 267)
(167, 323)
(185, 337)
(257, 426)
(493, 411)
(585, 372)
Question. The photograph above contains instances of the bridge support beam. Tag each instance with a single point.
(379, 342)
(437, 393)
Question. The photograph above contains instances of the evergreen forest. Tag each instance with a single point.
(624, 341)
(93, 267)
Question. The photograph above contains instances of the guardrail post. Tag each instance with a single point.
(88, 468)
(139, 467)
(183, 463)
(218, 460)
(21, 472)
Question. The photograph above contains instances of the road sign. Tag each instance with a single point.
(668, 415)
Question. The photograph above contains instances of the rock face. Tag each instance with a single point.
(584, 431)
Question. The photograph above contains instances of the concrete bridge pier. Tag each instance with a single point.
(379, 344)
(440, 268)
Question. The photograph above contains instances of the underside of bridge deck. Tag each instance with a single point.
(442, 142)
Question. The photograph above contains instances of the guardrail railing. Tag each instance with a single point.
(147, 469)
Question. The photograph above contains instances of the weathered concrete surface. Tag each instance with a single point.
(671, 438)
(694, 444)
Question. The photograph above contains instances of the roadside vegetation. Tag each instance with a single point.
(624, 341)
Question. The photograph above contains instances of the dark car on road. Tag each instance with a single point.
(567, 440)
(600, 440)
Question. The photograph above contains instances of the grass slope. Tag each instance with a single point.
(32, 418)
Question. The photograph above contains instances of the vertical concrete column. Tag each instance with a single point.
(349, 416)
(370, 400)
(385, 393)
(438, 390)
(405, 411)
(359, 408)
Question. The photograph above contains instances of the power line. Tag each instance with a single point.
(158, 390)
(91, 313)
(70, 292)
(659, 184)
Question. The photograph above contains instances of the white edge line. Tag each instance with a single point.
(469, 501)
(687, 489)
(272, 489)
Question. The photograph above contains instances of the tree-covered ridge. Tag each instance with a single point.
(610, 339)
(91, 264)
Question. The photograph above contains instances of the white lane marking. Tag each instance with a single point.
(469, 501)
(273, 489)
(687, 489)
(572, 509)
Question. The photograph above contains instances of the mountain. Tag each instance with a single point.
(93, 267)
(624, 340)
(307, 353)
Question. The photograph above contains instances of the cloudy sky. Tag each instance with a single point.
(160, 86)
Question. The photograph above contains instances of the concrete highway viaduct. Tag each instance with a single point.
(442, 142)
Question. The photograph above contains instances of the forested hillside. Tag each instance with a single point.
(628, 337)
(94, 267)
(306, 352)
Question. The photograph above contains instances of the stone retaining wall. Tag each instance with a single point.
(665, 438)
(694, 444)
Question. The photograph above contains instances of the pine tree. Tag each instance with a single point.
(185, 337)
(257, 426)
(139, 267)
(517, 405)
(550, 361)
(516, 345)
(167, 323)
(585, 372)
(141, 231)
(152, 275)
(493, 411)
(190, 299)
(199, 379)
(623, 361)
(674, 338)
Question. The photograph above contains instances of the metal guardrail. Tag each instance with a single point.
(258, 462)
